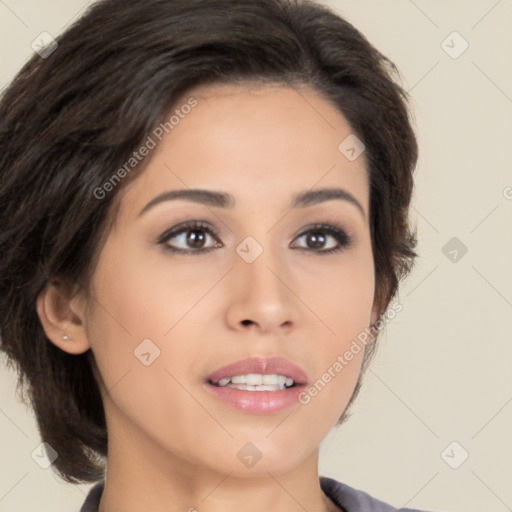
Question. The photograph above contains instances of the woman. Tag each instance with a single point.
(204, 210)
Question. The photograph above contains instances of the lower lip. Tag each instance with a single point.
(257, 402)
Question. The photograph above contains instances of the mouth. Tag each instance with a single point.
(256, 382)
(258, 385)
(251, 374)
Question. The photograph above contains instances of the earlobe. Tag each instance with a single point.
(62, 322)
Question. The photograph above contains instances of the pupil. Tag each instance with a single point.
(195, 238)
(316, 239)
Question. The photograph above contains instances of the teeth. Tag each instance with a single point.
(257, 382)
(263, 387)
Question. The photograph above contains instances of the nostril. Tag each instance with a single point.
(246, 322)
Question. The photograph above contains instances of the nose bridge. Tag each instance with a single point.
(260, 265)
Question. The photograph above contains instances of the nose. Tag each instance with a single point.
(261, 296)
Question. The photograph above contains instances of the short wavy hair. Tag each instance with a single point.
(68, 120)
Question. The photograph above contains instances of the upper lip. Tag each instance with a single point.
(264, 366)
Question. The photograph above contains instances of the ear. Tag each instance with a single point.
(61, 313)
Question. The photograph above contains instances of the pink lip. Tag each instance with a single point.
(264, 366)
(258, 402)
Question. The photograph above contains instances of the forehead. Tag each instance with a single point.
(261, 143)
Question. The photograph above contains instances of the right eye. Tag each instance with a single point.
(192, 236)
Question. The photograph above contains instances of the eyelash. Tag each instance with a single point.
(344, 240)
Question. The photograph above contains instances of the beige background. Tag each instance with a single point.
(443, 370)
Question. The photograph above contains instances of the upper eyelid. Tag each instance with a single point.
(204, 224)
(184, 226)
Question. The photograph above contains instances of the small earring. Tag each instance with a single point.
(66, 337)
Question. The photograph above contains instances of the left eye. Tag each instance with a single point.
(317, 235)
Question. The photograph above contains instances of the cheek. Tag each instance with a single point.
(344, 309)
(140, 330)
(138, 297)
(341, 294)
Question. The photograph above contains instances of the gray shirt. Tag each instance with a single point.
(346, 498)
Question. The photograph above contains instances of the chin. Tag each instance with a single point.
(258, 458)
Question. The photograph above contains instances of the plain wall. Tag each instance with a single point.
(442, 372)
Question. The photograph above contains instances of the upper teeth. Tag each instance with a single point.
(256, 379)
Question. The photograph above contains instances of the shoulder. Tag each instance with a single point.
(349, 499)
(92, 502)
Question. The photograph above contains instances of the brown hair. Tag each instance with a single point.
(68, 120)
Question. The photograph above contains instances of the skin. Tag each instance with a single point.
(173, 446)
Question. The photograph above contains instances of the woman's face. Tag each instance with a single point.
(171, 304)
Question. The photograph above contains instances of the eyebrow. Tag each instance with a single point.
(224, 200)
